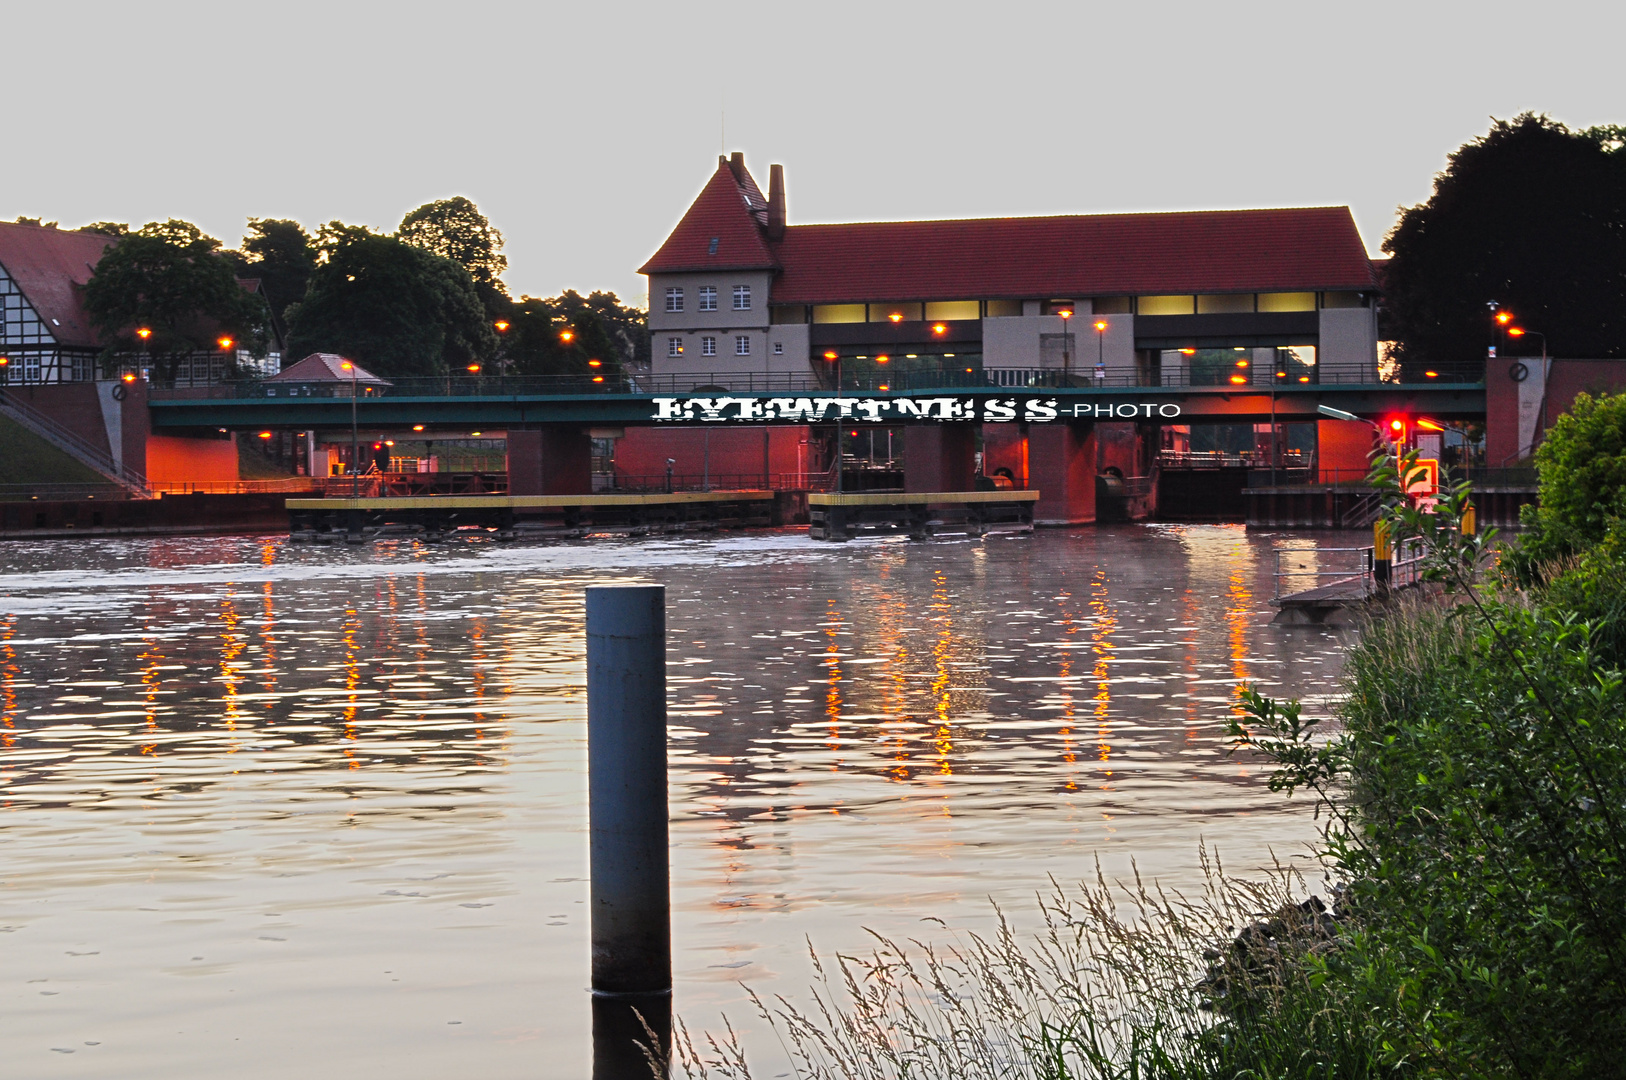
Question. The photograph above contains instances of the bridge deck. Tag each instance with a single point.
(527, 502)
(921, 498)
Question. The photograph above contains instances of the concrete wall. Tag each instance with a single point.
(1061, 465)
(1348, 336)
(724, 324)
(72, 405)
(1517, 414)
(172, 459)
(1016, 341)
(746, 452)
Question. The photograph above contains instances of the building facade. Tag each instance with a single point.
(1203, 298)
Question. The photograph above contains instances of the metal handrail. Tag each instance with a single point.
(82, 450)
(1362, 572)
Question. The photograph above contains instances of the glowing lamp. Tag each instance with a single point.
(224, 343)
(830, 356)
(501, 325)
(265, 434)
(1504, 317)
(474, 369)
(1429, 425)
(968, 371)
(1101, 325)
(129, 376)
(1515, 331)
(885, 387)
(1431, 374)
(1065, 313)
(883, 359)
(598, 378)
(143, 333)
(417, 427)
(389, 442)
(348, 366)
(1188, 352)
(1397, 426)
(595, 363)
(896, 317)
(1304, 378)
(1241, 363)
(476, 434)
(939, 328)
(1239, 379)
(1281, 374)
(567, 336)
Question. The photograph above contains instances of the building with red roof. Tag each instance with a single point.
(735, 288)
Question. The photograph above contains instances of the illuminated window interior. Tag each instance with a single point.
(902, 312)
(1166, 305)
(1003, 309)
(1287, 301)
(838, 313)
(953, 309)
(1225, 304)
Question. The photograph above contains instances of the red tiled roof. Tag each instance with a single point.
(1067, 257)
(325, 367)
(49, 265)
(730, 210)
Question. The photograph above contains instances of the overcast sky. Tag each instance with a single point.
(584, 130)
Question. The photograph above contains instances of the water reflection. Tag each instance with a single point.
(378, 754)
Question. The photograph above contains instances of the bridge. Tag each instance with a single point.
(992, 395)
(1053, 430)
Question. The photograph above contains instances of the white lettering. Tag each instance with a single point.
(1134, 410)
(998, 412)
(1041, 411)
(871, 408)
(910, 407)
(750, 409)
(1163, 410)
(845, 405)
(668, 408)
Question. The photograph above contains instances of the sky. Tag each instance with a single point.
(585, 130)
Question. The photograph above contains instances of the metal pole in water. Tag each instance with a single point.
(627, 825)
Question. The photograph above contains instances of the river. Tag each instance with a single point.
(269, 810)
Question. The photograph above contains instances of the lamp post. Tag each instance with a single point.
(1100, 349)
(355, 436)
(835, 358)
(1066, 346)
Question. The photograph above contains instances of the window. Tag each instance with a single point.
(1166, 305)
(708, 298)
(1110, 305)
(1004, 309)
(1343, 300)
(708, 346)
(742, 346)
(674, 299)
(779, 348)
(953, 309)
(742, 298)
(674, 346)
(894, 313)
(787, 313)
(838, 313)
(1287, 301)
(1225, 303)
(711, 249)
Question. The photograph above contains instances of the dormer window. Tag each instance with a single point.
(708, 298)
(712, 249)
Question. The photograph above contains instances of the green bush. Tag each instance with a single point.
(1582, 462)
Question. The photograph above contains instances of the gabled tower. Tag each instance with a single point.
(709, 282)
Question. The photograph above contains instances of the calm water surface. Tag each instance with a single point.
(287, 811)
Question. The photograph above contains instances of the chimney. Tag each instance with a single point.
(736, 165)
(776, 202)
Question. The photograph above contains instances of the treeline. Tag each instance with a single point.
(425, 300)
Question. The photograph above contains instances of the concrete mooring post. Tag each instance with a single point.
(631, 907)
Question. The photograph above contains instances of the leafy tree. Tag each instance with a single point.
(455, 229)
(171, 278)
(281, 254)
(395, 308)
(562, 334)
(107, 228)
(1582, 462)
(21, 220)
(1530, 215)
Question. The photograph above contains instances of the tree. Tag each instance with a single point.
(170, 278)
(21, 220)
(1530, 215)
(1582, 463)
(394, 308)
(107, 228)
(561, 335)
(280, 253)
(455, 229)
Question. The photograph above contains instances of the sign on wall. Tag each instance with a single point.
(812, 410)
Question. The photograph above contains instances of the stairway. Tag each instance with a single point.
(89, 454)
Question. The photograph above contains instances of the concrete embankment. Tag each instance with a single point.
(170, 515)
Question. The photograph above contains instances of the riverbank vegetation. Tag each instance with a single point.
(1473, 918)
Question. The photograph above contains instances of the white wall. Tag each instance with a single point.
(1348, 336)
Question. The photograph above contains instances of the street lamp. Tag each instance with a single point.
(1066, 346)
(355, 437)
(1100, 349)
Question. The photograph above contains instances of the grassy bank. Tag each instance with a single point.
(25, 458)
(1474, 920)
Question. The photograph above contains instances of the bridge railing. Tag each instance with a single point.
(872, 378)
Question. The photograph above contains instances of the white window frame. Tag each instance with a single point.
(708, 346)
(742, 345)
(742, 298)
(674, 346)
(674, 299)
(708, 298)
(779, 348)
